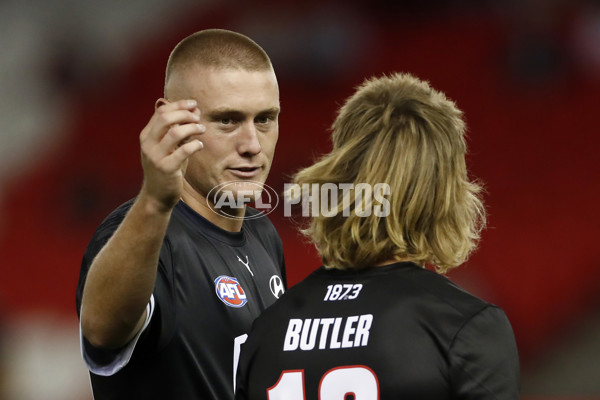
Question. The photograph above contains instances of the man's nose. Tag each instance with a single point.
(249, 142)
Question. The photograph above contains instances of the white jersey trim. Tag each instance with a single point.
(121, 359)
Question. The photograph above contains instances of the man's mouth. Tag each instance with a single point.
(245, 172)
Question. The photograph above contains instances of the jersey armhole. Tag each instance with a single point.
(109, 362)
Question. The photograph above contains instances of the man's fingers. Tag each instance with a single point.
(166, 105)
(162, 121)
(182, 153)
(175, 137)
(169, 138)
(168, 114)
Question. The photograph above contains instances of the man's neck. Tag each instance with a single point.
(198, 203)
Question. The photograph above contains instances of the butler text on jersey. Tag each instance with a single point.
(328, 333)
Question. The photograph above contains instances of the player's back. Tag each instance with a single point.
(392, 332)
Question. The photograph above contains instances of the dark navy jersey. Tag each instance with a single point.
(392, 332)
(211, 285)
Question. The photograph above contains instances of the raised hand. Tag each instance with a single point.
(166, 144)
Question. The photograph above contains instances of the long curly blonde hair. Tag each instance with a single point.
(397, 130)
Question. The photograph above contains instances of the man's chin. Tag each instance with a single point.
(235, 194)
(245, 187)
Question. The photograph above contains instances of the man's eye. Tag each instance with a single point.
(226, 121)
(263, 120)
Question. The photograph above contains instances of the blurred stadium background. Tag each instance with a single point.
(79, 80)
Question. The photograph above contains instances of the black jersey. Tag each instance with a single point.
(211, 285)
(392, 332)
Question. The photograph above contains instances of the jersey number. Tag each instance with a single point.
(337, 383)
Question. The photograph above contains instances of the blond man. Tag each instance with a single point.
(379, 320)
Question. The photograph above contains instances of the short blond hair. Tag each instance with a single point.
(217, 48)
(399, 131)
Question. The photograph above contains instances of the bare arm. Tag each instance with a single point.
(121, 278)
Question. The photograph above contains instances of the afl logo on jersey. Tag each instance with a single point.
(230, 291)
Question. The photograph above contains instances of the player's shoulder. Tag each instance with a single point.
(439, 289)
(103, 233)
(113, 220)
(118, 214)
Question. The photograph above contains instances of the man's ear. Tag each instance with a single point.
(160, 102)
